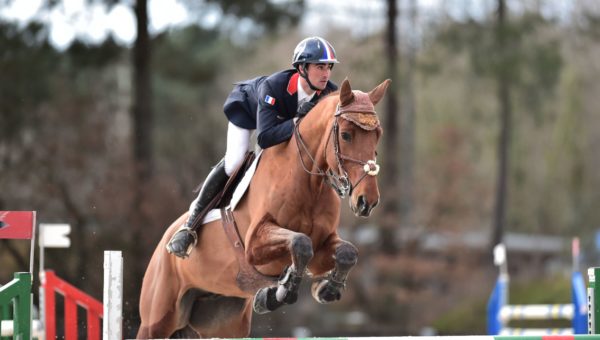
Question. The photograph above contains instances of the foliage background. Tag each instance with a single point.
(66, 151)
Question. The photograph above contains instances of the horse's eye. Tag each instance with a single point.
(346, 136)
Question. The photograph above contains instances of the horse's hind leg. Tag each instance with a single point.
(329, 288)
(274, 242)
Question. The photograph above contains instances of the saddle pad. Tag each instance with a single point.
(240, 190)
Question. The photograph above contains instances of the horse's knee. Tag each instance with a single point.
(346, 256)
(302, 249)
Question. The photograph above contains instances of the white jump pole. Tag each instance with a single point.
(112, 327)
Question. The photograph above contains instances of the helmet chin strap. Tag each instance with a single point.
(304, 74)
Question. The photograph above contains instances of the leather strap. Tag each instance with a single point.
(227, 190)
(233, 234)
(248, 279)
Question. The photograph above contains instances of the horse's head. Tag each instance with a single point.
(352, 160)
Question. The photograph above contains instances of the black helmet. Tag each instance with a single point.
(314, 50)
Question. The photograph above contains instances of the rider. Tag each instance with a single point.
(277, 100)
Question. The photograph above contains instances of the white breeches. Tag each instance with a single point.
(238, 143)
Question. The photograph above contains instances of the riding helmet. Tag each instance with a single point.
(314, 50)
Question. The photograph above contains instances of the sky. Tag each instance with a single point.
(73, 19)
(95, 23)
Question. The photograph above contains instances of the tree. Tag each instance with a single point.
(407, 125)
(142, 100)
(390, 141)
(505, 108)
(524, 66)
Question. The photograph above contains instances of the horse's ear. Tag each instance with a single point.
(346, 95)
(377, 93)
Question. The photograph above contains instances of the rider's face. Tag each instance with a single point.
(319, 74)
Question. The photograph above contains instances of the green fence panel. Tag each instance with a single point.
(15, 305)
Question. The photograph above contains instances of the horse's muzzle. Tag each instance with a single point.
(362, 208)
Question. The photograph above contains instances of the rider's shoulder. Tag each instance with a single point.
(254, 80)
(280, 77)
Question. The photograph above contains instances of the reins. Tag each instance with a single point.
(339, 181)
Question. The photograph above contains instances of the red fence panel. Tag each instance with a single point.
(73, 297)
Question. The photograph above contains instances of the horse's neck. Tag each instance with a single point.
(314, 131)
(286, 183)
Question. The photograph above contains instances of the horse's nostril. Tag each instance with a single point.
(363, 207)
(361, 201)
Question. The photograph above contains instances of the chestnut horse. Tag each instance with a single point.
(287, 223)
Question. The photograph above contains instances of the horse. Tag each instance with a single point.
(286, 227)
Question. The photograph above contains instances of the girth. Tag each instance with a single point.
(248, 279)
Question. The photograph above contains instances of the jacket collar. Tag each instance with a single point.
(292, 87)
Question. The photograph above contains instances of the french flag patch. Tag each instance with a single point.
(270, 100)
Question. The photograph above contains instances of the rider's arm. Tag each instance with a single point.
(273, 124)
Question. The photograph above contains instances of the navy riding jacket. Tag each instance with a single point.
(242, 103)
(268, 104)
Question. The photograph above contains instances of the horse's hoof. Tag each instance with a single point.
(287, 296)
(324, 292)
(265, 301)
(289, 283)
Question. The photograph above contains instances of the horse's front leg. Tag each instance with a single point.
(342, 256)
(273, 243)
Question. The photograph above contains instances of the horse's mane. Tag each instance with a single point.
(324, 99)
(331, 94)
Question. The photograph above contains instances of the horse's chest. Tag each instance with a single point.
(316, 229)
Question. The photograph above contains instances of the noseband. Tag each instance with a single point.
(339, 181)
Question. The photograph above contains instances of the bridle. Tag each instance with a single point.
(339, 180)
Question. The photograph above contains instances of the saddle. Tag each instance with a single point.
(248, 278)
(223, 198)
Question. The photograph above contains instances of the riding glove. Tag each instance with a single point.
(304, 108)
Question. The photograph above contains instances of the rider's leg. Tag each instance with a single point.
(238, 144)
(238, 141)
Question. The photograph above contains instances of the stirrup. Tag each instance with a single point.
(189, 249)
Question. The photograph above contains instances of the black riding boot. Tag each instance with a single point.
(184, 240)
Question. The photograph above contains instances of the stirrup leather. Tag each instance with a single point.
(189, 249)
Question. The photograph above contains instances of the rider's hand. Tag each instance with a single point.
(304, 108)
